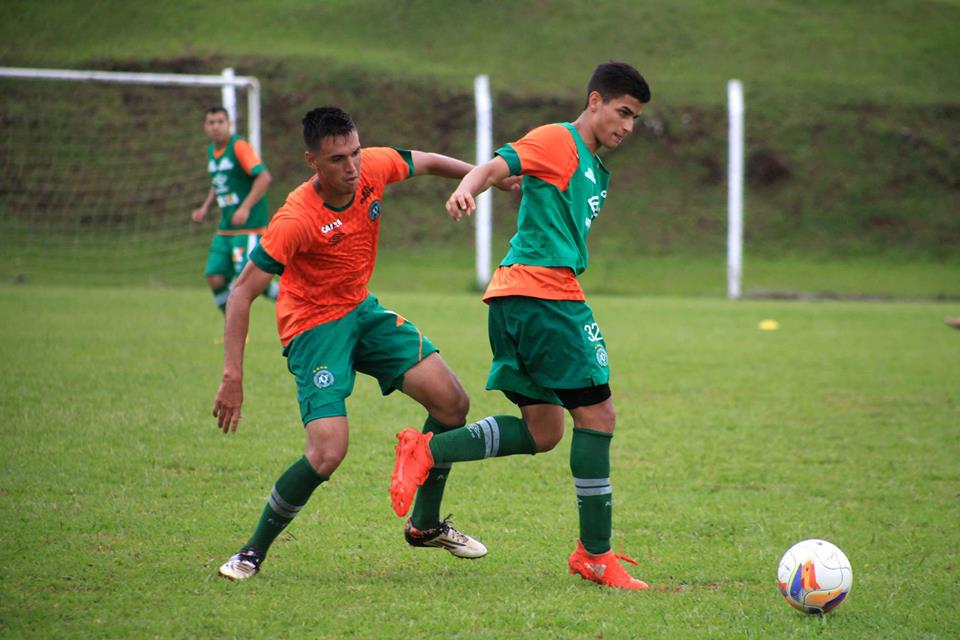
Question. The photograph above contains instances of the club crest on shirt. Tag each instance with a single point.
(375, 210)
(323, 377)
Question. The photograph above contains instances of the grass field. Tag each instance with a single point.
(851, 107)
(119, 498)
(882, 51)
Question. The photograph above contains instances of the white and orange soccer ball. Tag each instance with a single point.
(814, 576)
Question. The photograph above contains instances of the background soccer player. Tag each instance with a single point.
(548, 350)
(323, 244)
(239, 182)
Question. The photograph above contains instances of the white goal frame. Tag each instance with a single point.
(735, 190)
(227, 81)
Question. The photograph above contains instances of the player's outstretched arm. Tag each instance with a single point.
(250, 284)
(478, 180)
(437, 164)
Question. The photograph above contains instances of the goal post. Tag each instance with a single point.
(100, 170)
(484, 213)
(735, 190)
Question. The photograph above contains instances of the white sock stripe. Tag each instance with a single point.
(591, 482)
(281, 506)
(221, 297)
(495, 430)
(594, 491)
(487, 436)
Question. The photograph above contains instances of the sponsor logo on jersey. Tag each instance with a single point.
(375, 210)
(594, 202)
(212, 167)
(365, 193)
(323, 378)
(602, 357)
(327, 228)
(226, 165)
(589, 173)
(228, 200)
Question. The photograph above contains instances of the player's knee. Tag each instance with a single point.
(455, 407)
(546, 433)
(600, 417)
(216, 282)
(604, 416)
(547, 441)
(325, 460)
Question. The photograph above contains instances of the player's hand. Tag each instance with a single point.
(510, 183)
(239, 217)
(461, 202)
(226, 408)
(199, 214)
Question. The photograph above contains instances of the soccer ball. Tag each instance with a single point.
(814, 576)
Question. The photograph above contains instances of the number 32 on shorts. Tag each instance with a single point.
(593, 332)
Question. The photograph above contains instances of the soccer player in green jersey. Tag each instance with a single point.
(549, 354)
(239, 181)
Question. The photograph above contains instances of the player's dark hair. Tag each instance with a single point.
(216, 109)
(614, 79)
(325, 122)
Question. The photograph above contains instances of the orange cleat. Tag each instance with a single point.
(410, 470)
(604, 569)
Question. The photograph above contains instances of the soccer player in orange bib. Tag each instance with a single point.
(323, 244)
(549, 353)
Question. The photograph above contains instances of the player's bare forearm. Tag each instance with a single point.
(201, 212)
(257, 189)
(437, 164)
(478, 180)
(208, 201)
(229, 399)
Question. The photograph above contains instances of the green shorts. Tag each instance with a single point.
(369, 339)
(229, 254)
(539, 345)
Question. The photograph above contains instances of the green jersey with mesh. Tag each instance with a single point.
(564, 188)
(232, 183)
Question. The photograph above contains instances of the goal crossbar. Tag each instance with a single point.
(251, 84)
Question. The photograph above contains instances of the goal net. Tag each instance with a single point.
(99, 175)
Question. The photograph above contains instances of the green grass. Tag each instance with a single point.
(900, 51)
(119, 498)
(451, 269)
(858, 99)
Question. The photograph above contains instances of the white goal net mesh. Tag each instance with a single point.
(97, 181)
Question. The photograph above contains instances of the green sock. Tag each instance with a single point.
(590, 465)
(290, 493)
(220, 295)
(492, 437)
(426, 510)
